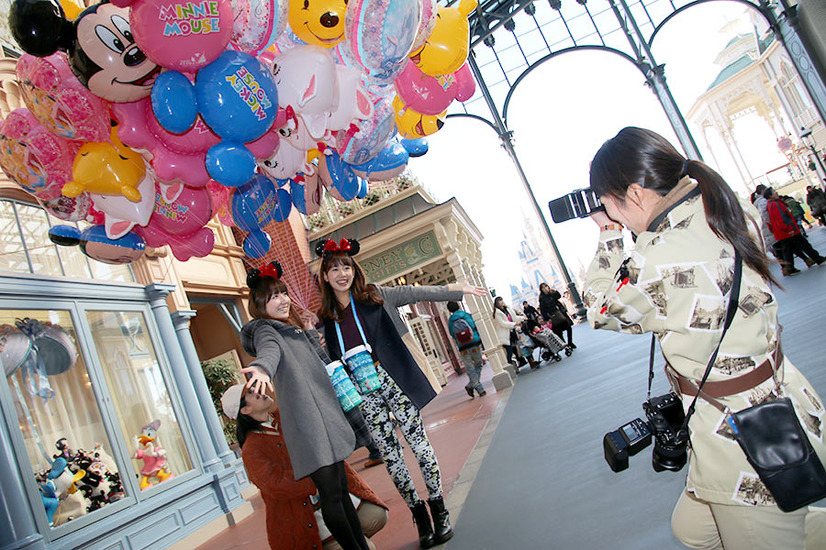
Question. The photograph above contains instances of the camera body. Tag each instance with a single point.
(665, 426)
(576, 204)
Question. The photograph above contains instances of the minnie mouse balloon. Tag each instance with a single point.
(181, 34)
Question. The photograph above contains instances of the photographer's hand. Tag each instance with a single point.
(602, 219)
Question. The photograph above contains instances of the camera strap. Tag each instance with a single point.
(731, 310)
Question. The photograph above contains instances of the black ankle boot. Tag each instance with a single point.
(422, 521)
(441, 520)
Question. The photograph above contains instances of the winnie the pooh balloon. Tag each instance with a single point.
(446, 48)
(319, 22)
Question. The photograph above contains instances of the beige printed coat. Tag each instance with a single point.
(678, 280)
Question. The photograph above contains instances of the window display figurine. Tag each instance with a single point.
(153, 456)
(57, 490)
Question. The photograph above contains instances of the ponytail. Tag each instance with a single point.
(726, 217)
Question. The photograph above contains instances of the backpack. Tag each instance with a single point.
(462, 331)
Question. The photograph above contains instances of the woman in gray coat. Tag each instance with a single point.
(317, 434)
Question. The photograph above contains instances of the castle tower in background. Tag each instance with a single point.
(536, 259)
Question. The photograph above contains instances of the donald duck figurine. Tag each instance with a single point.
(153, 456)
(59, 485)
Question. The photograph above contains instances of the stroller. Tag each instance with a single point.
(543, 338)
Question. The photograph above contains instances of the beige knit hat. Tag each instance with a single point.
(231, 400)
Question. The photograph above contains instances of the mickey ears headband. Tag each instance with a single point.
(272, 269)
(350, 247)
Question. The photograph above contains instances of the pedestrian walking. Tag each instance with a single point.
(361, 324)
(816, 199)
(555, 313)
(769, 241)
(787, 232)
(463, 329)
(691, 236)
(290, 360)
(506, 323)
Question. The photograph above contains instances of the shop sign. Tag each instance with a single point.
(400, 259)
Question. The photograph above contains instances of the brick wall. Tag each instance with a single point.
(291, 247)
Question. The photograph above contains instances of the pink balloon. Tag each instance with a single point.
(33, 157)
(59, 101)
(265, 146)
(191, 211)
(431, 95)
(69, 209)
(174, 157)
(221, 202)
(181, 34)
(180, 224)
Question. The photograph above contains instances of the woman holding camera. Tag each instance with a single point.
(676, 283)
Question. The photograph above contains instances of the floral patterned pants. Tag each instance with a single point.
(376, 408)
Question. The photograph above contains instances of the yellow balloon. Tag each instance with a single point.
(107, 169)
(414, 125)
(321, 22)
(71, 9)
(446, 48)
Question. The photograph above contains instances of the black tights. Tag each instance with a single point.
(570, 332)
(336, 507)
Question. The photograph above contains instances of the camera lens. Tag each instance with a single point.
(668, 457)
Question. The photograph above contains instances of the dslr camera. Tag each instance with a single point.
(576, 204)
(665, 426)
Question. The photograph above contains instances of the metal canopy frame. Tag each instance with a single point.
(510, 38)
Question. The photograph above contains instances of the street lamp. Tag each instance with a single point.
(809, 141)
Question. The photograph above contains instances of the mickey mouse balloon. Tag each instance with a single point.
(101, 48)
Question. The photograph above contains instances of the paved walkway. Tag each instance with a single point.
(525, 469)
(544, 482)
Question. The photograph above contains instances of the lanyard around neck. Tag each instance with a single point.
(358, 326)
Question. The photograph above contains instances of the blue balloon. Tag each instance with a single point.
(252, 203)
(230, 164)
(173, 102)
(96, 245)
(342, 177)
(237, 97)
(415, 147)
(257, 243)
(64, 235)
(283, 205)
(363, 188)
(393, 155)
(297, 194)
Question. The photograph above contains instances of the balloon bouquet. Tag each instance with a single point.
(148, 118)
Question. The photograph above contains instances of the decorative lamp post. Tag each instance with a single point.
(809, 141)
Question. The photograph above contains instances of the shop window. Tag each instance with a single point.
(140, 396)
(60, 422)
(25, 247)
